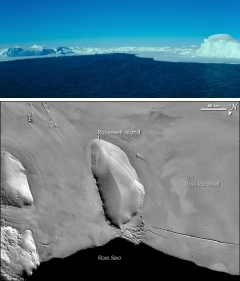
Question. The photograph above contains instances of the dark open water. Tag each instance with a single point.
(136, 263)
(116, 75)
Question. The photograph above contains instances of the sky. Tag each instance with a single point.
(99, 23)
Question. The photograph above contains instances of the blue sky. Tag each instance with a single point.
(116, 23)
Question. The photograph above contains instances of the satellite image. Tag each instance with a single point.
(120, 183)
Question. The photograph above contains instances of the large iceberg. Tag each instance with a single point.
(219, 46)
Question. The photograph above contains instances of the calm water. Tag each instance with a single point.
(116, 75)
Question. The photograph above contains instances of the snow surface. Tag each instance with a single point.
(216, 48)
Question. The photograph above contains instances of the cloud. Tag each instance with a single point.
(220, 46)
(36, 47)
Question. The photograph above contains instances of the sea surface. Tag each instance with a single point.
(135, 261)
(116, 76)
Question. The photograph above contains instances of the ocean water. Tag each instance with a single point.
(116, 76)
(135, 261)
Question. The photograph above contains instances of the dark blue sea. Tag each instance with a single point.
(116, 76)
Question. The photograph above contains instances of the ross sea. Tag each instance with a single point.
(135, 261)
(116, 76)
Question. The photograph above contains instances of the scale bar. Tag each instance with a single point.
(214, 109)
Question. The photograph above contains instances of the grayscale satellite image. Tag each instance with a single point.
(107, 185)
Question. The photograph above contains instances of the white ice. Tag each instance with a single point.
(17, 180)
(216, 48)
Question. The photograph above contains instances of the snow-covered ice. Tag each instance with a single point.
(216, 48)
(34, 51)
